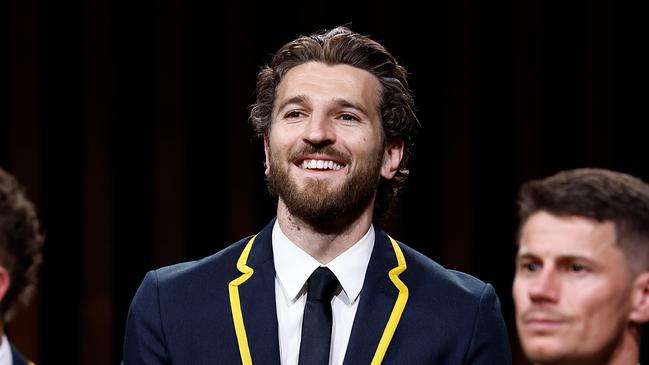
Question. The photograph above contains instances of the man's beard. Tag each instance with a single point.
(316, 202)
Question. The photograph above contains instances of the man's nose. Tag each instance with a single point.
(319, 130)
(546, 286)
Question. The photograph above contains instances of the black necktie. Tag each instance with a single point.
(316, 325)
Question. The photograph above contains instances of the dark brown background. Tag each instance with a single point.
(126, 121)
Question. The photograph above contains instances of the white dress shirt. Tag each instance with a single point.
(5, 352)
(293, 266)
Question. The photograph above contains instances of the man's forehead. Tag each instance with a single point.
(549, 235)
(315, 78)
(555, 252)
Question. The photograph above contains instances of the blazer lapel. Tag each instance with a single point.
(258, 301)
(18, 357)
(377, 299)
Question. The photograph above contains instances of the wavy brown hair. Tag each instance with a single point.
(21, 240)
(342, 46)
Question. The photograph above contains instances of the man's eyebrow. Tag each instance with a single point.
(558, 258)
(571, 258)
(348, 104)
(526, 255)
(298, 99)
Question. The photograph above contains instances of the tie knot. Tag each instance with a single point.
(322, 283)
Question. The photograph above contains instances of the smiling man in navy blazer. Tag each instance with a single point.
(321, 284)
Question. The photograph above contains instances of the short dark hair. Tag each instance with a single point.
(21, 240)
(342, 46)
(598, 194)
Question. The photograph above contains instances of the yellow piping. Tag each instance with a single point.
(399, 305)
(390, 328)
(235, 303)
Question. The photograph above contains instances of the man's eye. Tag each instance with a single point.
(530, 266)
(293, 114)
(577, 268)
(348, 117)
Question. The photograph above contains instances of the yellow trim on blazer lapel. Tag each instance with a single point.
(399, 304)
(235, 303)
(390, 328)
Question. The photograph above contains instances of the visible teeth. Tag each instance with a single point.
(320, 165)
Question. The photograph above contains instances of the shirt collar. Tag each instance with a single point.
(5, 351)
(294, 266)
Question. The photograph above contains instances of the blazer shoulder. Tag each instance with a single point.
(222, 264)
(424, 269)
(214, 266)
(462, 307)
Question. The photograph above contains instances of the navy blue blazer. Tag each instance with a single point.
(221, 310)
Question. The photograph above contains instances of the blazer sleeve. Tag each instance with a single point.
(144, 342)
(489, 341)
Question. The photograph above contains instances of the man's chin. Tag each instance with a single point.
(318, 194)
(311, 187)
(321, 210)
(548, 351)
(313, 210)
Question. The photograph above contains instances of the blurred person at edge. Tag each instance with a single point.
(20, 257)
(581, 287)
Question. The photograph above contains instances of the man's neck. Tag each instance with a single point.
(323, 243)
(628, 351)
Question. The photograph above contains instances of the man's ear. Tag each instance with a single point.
(640, 299)
(392, 158)
(5, 282)
(267, 159)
